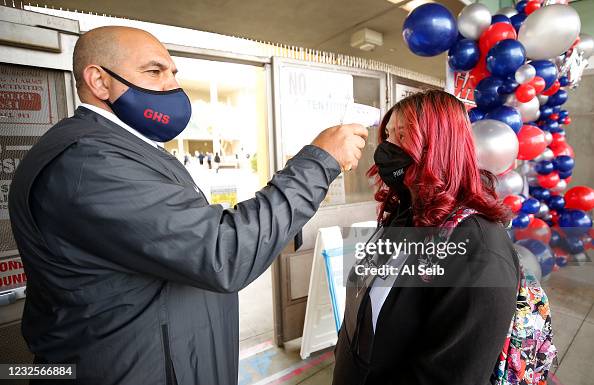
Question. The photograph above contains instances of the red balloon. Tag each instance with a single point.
(514, 202)
(537, 229)
(554, 116)
(548, 180)
(562, 149)
(531, 6)
(566, 121)
(557, 138)
(579, 197)
(552, 89)
(532, 142)
(560, 253)
(525, 93)
(554, 218)
(539, 85)
(479, 72)
(495, 33)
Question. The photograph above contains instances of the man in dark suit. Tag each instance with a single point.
(132, 275)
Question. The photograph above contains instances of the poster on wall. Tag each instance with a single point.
(28, 108)
(458, 84)
(401, 91)
(312, 100)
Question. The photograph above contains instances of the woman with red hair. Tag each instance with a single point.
(409, 328)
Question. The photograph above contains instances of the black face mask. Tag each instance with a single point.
(392, 162)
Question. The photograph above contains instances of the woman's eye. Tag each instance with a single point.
(154, 72)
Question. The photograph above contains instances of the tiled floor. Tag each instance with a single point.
(571, 294)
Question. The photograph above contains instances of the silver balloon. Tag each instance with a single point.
(547, 217)
(527, 168)
(561, 186)
(510, 183)
(529, 261)
(530, 111)
(543, 210)
(549, 31)
(532, 181)
(586, 45)
(548, 139)
(547, 154)
(496, 145)
(542, 99)
(473, 20)
(525, 73)
(507, 11)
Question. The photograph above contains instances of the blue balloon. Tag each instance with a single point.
(563, 81)
(546, 70)
(509, 84)
(556, 109)
(544, 167)
(573, 245)
(507, 115)
(530, 206)
(464, 55)
(551, 127)
(486, 93)
(539, 193)
(475, 114)
(542, 252)
(556, 202)
(517, 20)
(575, 222)
(545, 111)
(565, 174)
(521, 5)
(521, 221)
(564, 163)
(500, 19)
(557, 99)
(563, 114)
(556, 239)
(561, 262)
(505, 57)
(429, 30)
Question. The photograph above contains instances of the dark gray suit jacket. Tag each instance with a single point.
(132, 275)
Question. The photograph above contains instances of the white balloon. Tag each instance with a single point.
(549, 31)
(510, 183)
(542, 99)
(547, 154)
(530, 111)
(473, 20)
(549, 140)
(532, 181)
(529, 261)
(561, 186)
(543, 210)
(496, 145)
(507, 11)
(525, 73)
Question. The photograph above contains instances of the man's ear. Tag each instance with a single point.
(97, 81)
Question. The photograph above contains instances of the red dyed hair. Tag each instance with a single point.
(445, 173)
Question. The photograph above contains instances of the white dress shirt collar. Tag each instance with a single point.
(109, 115)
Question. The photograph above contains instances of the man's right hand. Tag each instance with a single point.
(344, 143)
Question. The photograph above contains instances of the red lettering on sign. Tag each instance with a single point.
(11, 280)
(20, 101)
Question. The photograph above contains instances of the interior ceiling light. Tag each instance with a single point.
(366, 39)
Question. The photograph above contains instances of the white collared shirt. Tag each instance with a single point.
(109, 115)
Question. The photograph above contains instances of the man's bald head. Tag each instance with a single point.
(132, 53)
(106, 46)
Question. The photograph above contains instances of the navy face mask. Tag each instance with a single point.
(158, 115)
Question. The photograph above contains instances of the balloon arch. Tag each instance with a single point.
(513, 71)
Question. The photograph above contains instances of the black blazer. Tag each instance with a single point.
(132, 275)
(442, 335)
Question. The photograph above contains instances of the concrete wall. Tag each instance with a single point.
(580, 133)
